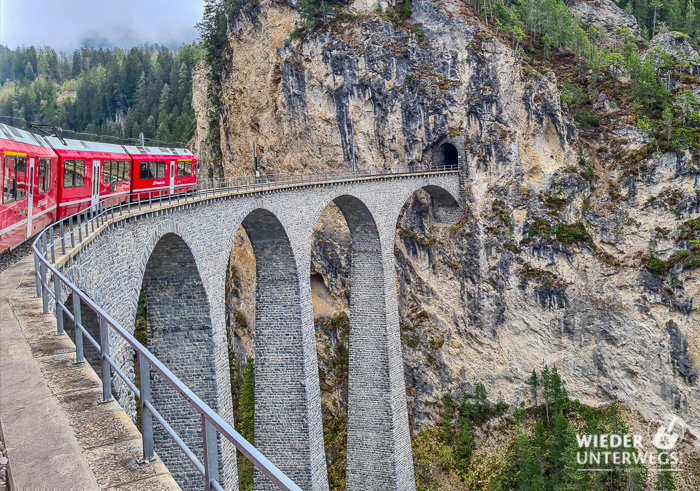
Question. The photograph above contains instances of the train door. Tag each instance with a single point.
(30, 197)
(172, 176)
(95, 184)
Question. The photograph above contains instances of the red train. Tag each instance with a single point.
(48, 178)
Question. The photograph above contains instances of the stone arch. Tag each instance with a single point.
(287, 424)
(163, 228)
(445, 203)
(179, 330)
(432, 200)
(378, 445)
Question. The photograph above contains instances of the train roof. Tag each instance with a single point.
(83, 146)
(22, 136)
(52, 142)
(134, 150)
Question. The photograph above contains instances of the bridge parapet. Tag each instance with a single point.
(109, 265)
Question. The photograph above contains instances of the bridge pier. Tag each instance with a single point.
(379, 443)
(180, 334)
(288, 428)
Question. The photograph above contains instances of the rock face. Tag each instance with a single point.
(546, 264)
(675, 44)
(605, 14)
(205, 151)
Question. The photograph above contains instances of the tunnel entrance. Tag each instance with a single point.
(450, 155)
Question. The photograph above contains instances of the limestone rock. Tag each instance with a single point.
(675, 44)
(606, 14)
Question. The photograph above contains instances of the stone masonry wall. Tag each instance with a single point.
(180, 335)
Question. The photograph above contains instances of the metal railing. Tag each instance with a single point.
(77, 228)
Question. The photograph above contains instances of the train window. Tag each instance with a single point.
(145, 171)
(184, 168)
(44, 183)
(15, 180)
(158, 169)
(74, 174)
(124, 173)
(22, 177)
(152, 170)
(107, 173)
(9, 183)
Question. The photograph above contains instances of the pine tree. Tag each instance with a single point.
(690, 18)
(29, 71)
(570, 477)
(534, 386)
(528, 472)
(664, 479)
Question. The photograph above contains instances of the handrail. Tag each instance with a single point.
(90, 220)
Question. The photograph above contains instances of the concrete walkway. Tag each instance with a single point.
(37, 432)
(56, 434)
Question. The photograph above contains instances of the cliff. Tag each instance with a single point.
(556, 258)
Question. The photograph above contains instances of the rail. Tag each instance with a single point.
(77, 228)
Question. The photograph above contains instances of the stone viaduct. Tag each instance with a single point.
(178, 257)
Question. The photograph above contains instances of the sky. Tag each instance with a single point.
(68, 24)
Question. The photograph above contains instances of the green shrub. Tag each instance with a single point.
(587, 119)
(569, 234)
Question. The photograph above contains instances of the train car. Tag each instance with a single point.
(89, 173)
(161, 171)
(46, 178)
(30, 185)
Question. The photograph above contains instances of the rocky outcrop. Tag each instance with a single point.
(546, 265)
(204, 146)
(674, 44)
(605, 14)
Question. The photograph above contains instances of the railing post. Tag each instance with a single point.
(63, 238)
(37, 272)
(106, 368)
(211, 456)
(146, 416)
(42, 267)
(80, 229)
(85, 218)
(53, 247)
(77, 323)
(72, 233)
(59, 308)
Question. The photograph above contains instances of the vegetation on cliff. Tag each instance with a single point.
(536, 445)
